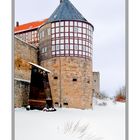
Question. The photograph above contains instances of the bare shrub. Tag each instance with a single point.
(79, 130)
(121, 95)
(102, 104)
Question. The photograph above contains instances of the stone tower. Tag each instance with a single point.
(65, 49)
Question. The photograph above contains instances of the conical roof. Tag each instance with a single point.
(66, 11)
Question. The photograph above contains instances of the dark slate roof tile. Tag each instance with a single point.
(66, 11)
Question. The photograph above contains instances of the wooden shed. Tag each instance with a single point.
(40, 92)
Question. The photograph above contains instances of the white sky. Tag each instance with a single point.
(108, 19)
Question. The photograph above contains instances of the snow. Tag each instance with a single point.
(40, 67)
(28, 81)
(102, 123)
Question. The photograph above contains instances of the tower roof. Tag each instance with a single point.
(66, 11)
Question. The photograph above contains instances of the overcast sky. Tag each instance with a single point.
(108, 19)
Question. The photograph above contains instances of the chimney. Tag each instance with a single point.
(17, 24)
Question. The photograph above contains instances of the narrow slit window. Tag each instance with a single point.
(55, 77)
(74, 80)
(65, 103)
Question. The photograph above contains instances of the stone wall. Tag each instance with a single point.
(21, 89)
(23, 53)
(96, 84)
(71, 81)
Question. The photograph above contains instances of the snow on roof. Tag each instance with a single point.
(23, 80)
(40, 67)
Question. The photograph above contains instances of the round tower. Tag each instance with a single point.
(65, 49)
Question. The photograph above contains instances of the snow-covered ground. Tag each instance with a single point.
(101, 123)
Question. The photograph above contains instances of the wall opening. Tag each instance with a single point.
(65, 103)
(55, 77)
(74, 80)
(56, 103)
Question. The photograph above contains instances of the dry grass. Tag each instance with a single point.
(79, 130)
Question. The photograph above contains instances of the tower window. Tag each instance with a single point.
(57, 47)
(62, 23)
(42, 50)
(57, 24)
(53, 42)
(66, 47)
(57, 35)
(52, 31)
(74, 79)
(62, 34)
(66, 34)
(66, 40)
(53, 48)
(49, 31)
(66, 23)
(75, 23)
(71, 29)
(62, 47)
(45, 49)
(75, 29)
(84, 31)
(84, 25)
(52, 24)
(80, 30)
(57, 41)
(71, 23)
(79, 24)
(66, 29)
(76, 47)
(71, 47)
(57, 30)
(80, 47)
(62, 29)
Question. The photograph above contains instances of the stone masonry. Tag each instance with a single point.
(24, 53)
(96, 84)
(73, 85)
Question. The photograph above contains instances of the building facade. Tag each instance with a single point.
(23, 53)
(65, 48)
(65, 45)
(29, 32)
(96, 84)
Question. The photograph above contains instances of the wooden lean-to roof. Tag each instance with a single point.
(40, 67)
